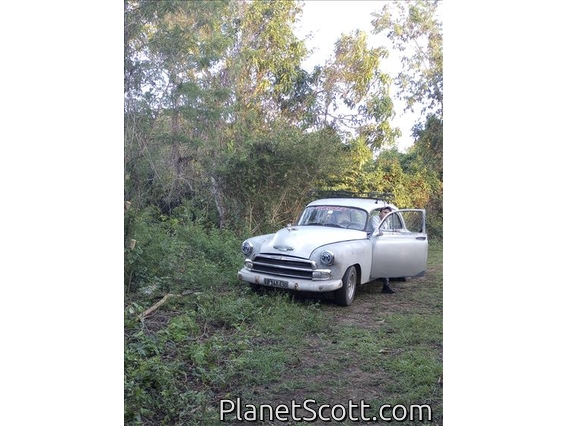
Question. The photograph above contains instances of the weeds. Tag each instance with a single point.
(220, 340)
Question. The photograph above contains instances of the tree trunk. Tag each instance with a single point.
(219, 203)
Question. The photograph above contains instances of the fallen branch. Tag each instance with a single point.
(156, 306)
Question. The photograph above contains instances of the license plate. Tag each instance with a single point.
(275, 283)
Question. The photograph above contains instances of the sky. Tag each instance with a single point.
(327, 20)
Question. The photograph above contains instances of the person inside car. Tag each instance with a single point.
(376, 219)
(382, 213)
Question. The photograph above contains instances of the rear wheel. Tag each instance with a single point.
(344, 296)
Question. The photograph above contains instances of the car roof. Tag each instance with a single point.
(367, 204)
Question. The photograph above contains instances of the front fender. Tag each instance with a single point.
(347, 253)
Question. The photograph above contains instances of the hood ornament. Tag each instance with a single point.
(284, 248)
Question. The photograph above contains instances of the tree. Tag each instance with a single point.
(218, 110)
(429, 145)
(214, 82)
(416, 33)
(169, 47)
(352, 93)
(267, 184)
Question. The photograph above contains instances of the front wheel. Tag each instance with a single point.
(344, 296)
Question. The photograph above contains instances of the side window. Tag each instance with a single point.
(414, 221)
(374, 221)
(394, 221)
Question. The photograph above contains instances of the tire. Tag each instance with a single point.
(344, 296)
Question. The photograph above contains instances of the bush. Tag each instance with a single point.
(174, 253)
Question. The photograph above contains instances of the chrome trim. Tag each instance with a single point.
(326, 272)
(294, 284)
(249, 246)
(283, 266)
(330, 255)
(284, 248)
(286, 258)
(273, 265)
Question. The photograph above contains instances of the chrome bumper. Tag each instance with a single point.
(293, 283)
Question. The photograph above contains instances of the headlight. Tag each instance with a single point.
(246, 248)
(327, 258)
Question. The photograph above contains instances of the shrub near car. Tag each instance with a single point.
(338, 244)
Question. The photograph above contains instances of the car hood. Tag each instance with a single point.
(301, 241)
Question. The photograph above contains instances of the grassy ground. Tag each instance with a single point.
(273, 347)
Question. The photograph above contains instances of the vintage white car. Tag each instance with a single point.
(338, 244)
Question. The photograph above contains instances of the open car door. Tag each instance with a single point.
(400, 245)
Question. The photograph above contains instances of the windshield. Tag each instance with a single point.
(336, 216)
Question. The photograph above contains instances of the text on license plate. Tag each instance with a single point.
(275, 283)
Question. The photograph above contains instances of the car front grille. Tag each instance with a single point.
(283, 266)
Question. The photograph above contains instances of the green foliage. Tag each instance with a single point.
(231, 342)
(266, 181)
(411, 179)
(429, 146)
(415, 31)
(207, 344)
(270, 50)
(211, 85)
(427, 153)
(350, 91)
(173, 253)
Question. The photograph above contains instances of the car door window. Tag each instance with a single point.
(392, 223)
(414, 221)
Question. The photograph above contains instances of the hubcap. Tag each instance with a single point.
(351, 285)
